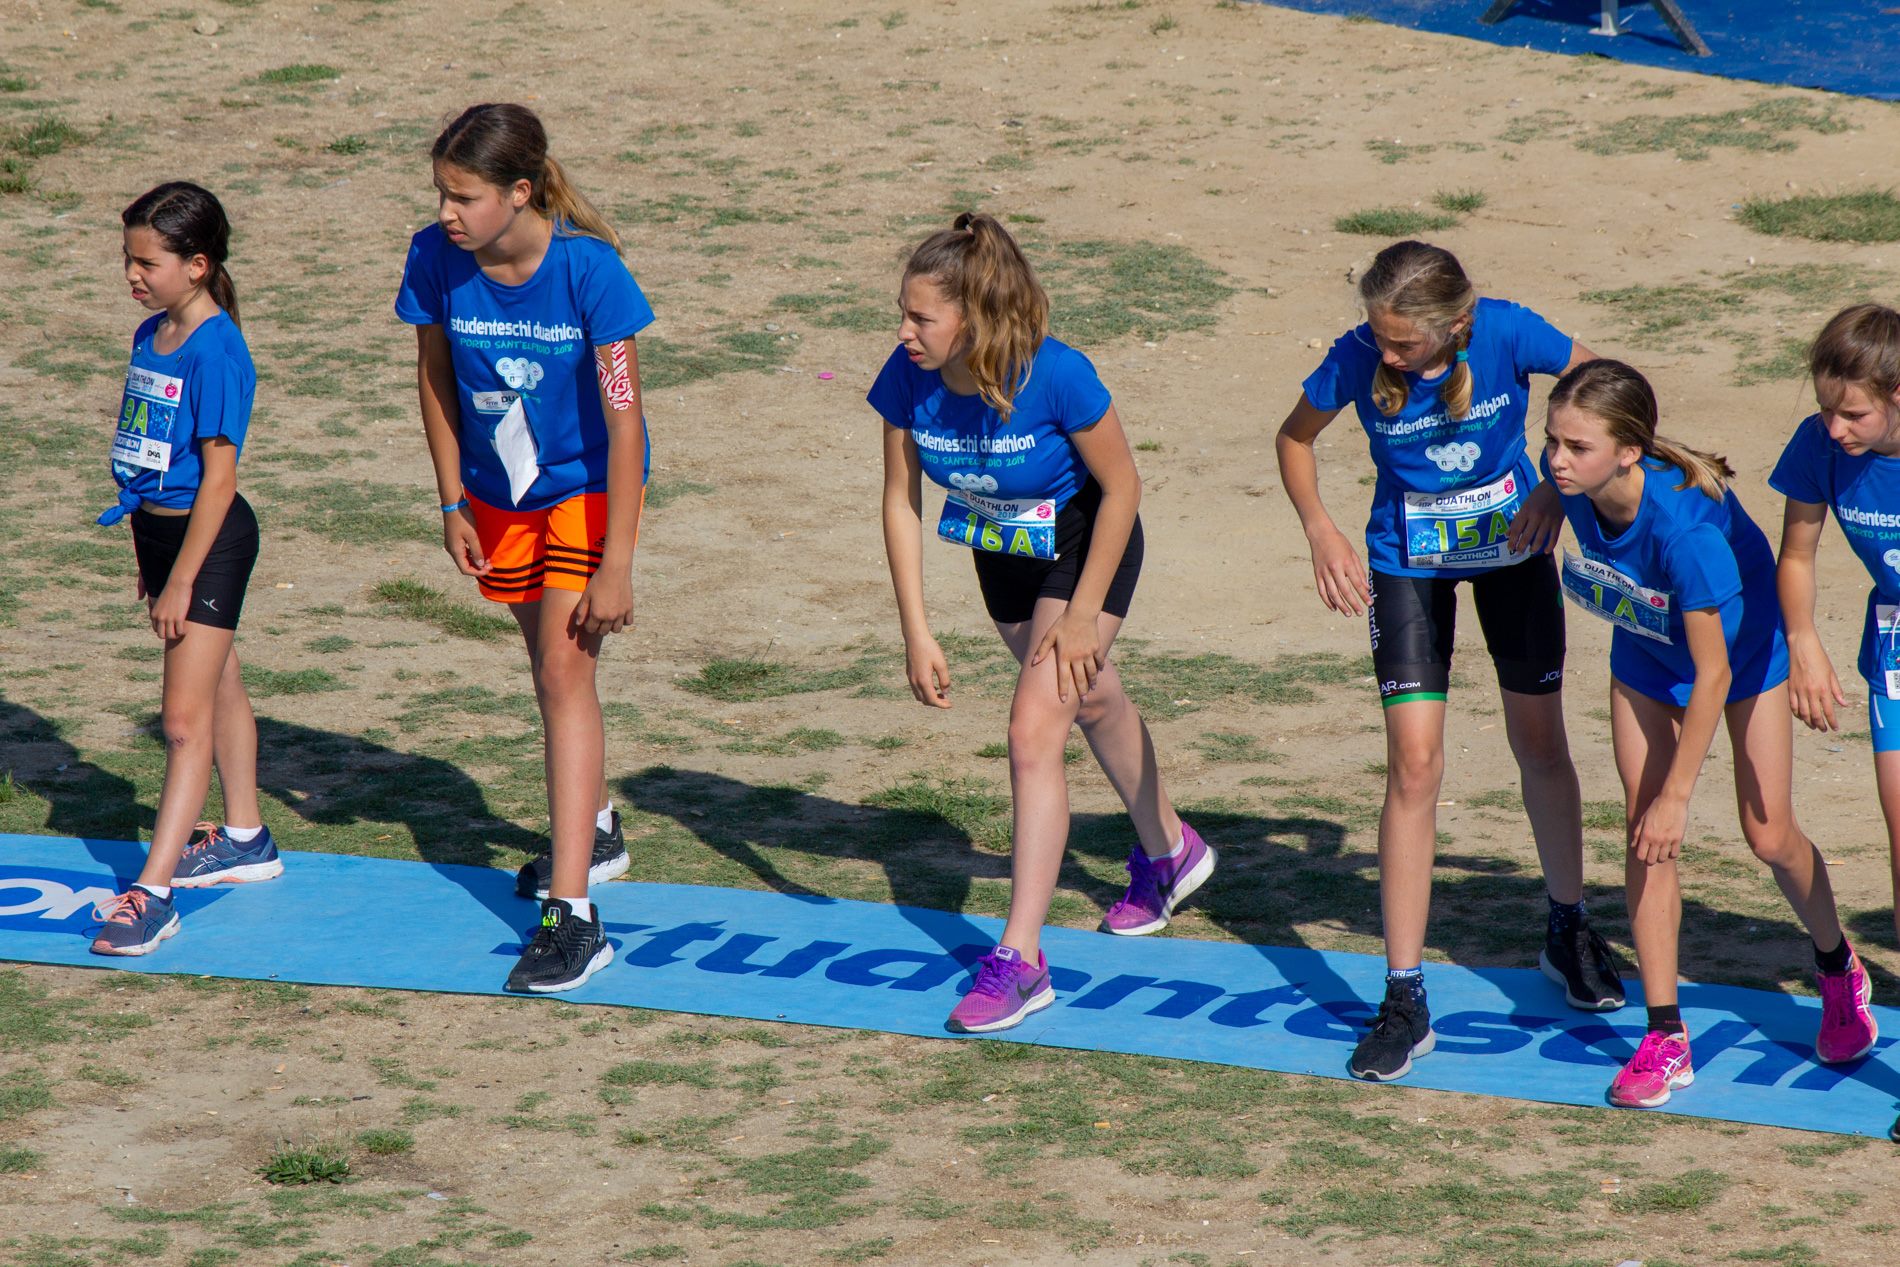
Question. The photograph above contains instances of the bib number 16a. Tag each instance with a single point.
(1026, 529)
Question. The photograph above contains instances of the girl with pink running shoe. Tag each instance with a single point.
(1687, 580)
(1043, 492)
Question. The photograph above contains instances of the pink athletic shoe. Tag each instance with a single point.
(1006, 991)
(1156, 886)
(1848, 1028)
(1660, 1065)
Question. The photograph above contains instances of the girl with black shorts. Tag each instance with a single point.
(182, 423)
(1441, 382)
(1043, 491)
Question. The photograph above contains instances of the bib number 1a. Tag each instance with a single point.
(1026, 528)
(1604, 591)
(1465, 528)
(1887, 628)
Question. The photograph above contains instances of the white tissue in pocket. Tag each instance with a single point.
(514, 444)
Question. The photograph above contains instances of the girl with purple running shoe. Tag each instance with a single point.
(1043, 492)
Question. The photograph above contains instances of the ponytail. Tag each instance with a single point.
(979, 267)
(190, 221)
(502, 143)
(1625, 402)
(1427, 286)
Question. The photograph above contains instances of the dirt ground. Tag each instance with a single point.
(1177, 170)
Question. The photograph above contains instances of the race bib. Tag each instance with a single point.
(1604, 591)
(514, 445)
(1025, 528)
(1464, 528)
(144, 438)
(1887, 625)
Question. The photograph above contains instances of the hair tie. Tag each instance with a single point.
(1463, 356)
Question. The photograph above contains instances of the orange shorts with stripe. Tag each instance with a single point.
(531, 550)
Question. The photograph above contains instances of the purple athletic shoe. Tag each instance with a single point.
(1157, 885)
(1006, 991)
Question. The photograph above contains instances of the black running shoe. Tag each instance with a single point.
(565, 951)
(609, 862)
(1401, 1030)
(1582, 964)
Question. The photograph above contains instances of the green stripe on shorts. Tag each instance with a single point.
(1409, 696)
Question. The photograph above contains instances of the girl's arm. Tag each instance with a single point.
(1540, 520)
(1075, 637)
(435, 384)
(1658, 835)
(607, 603)
(1578, 355)
(1813, 689)
(1337, 571)
(217, 489)
(924, 664)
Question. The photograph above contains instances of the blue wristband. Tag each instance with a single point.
(451, 509)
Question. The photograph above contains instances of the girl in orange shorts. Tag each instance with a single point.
(525, 317)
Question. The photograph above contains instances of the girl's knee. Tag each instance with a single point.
(184, 727)
(1414, 773)
(1780, 845)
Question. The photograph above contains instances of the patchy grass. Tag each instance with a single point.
(1101, 290)
(1767, 127)
(1869, 215)
(742, 680)
(261, 682)
(297, 1166)
(431, 606)
(1392, 222)
(299, 73)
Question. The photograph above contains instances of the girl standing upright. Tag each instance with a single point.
(530, 396)
(1441, 382)
(1674, 563)
(1044, 494)
(182, 424)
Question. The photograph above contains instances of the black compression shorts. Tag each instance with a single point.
(1520, 608)
(217, 593)
(1011, 584)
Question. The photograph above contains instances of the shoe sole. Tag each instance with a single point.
(599, 873)
(1873, 1027)
(602, 957)
(1035, 1003)
(1423, 1047)
(1676, 1083)
(1190, 882)
(250, 873)
(1582, 1005)
(143, 948)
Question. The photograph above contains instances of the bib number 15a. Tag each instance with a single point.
(1465, 528)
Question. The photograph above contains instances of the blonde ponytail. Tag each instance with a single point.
(1626, 403)
(977, 265)
(568, 207)
(1427, 286)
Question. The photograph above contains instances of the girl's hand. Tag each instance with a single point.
(1339, 574)
(606, 604)
(1813, 689)
(168, 611)
(464, 544)
(927, 671)
(1535, 526)
(1077, 644)
(1658, 836)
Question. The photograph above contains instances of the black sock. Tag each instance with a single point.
(1833, 961)
(1411, 979)
(1564, 916)
(1667, 1018)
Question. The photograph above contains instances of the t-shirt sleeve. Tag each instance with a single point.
(1346, 371)
(1702, 569)
(1077, 395)
(219, 392)
(1801, 474)
(419, 298)
(890, 394)
(612, 305)
(1537, 346)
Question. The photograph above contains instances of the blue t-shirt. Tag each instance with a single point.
(1864, 494)
(1685, 551)
(966, 446)
(1423, 451)
(173, 403)
(529, 346)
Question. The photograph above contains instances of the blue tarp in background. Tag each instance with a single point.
(859, 965)
(1850, 46)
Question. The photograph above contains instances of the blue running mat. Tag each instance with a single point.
(860, 965)
(1850, 46)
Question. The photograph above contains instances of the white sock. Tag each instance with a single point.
(243, 835)
(1175, 852)
(579, 907)
(161, 891)
(604, 821)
